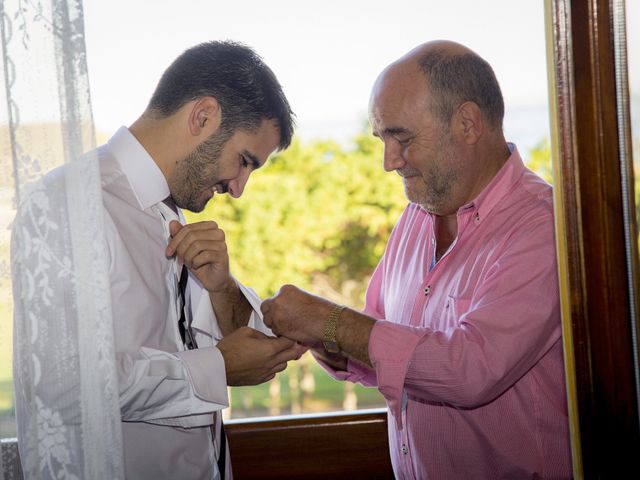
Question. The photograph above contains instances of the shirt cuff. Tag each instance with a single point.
(255, 321)
(206, 370)
(391, 348)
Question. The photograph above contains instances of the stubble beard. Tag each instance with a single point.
(197, 173)
(435, 186)
(440, 184)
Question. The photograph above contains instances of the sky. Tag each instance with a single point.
(326, 54)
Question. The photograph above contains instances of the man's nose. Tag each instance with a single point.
(236, 186)
(392, 158)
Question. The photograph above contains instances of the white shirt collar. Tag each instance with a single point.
(145, 177)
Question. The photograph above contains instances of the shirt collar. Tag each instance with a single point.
(145, 177)
(501, 184)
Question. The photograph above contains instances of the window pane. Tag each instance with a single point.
(320, 214)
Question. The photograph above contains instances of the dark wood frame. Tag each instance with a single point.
(337, 446)
(598, 263)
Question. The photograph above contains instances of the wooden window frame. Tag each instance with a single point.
(597, 249)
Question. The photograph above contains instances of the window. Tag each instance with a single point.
(327, 56)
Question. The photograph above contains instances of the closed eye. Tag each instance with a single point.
(401, 135)
(404, 141)
(248, 160)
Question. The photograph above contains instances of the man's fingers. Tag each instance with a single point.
(191, 232)
(174, 227)
(280, 367)
(204, 252)
(292, 353)
(301, 350)
(282, 344)
(174, 230)
(252, 332)
(266, 304)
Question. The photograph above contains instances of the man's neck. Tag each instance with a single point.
(446, 231)
(159, 138)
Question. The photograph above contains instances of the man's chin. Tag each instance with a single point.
(202, 202)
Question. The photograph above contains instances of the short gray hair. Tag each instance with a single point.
(455, 79)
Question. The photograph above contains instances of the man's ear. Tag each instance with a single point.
(205, 117)
(469, 122)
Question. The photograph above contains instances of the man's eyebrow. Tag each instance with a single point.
(253, 160)
(396, 131)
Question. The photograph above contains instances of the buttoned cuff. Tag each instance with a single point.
(391, 348)
(206, 370)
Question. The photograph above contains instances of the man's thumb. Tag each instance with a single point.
(174, 227)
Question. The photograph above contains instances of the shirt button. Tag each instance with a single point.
(427, 289)
(404, 449)
(477, 217)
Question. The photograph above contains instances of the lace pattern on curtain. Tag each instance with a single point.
(67, 408)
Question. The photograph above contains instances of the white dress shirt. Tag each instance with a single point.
(167, 393)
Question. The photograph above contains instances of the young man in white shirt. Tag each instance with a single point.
(217, 114)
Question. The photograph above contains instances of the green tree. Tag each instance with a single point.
(317, 216)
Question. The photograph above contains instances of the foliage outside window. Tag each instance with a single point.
(319, 216)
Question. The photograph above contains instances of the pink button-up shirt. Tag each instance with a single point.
(468, 352)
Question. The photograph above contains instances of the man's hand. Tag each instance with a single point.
(202, 248)
(298, 315)
(251, 358)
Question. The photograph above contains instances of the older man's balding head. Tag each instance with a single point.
(454, 74)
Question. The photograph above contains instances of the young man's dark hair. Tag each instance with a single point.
(245, 87)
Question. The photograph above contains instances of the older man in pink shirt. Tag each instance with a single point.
(461, 329)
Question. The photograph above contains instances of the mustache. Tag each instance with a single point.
(222, 187)
(409, 172)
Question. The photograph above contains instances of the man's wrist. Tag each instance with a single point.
(337, 361)
(230, 286)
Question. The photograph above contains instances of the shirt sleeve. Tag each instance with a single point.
(205, 317)
(504, 329)
(180, 389)
(163, 386)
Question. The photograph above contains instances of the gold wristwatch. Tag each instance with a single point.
(329, 339)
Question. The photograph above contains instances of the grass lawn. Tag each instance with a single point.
(328, 394)
(6, 386)
(7, 426)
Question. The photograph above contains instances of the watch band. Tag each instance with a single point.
(329, 339)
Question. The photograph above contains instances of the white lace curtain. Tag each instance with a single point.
(67, 410)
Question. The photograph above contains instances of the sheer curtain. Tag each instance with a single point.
(66, 396)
